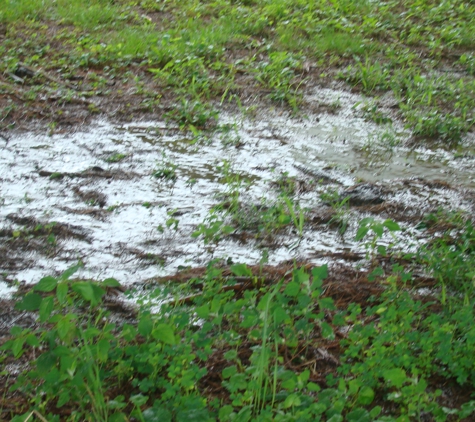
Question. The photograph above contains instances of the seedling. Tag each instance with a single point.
(370, 224)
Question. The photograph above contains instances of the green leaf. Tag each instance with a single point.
(304, 376)
(70, 271)
(280, 315)
(103, 347)
(117, 403)
(139, 400)
(353, 386)
(62, 292)
(46, 307)
(292, 289)
(17, 347)
(145, 325)
(311, 386)
(84, 289)
(358, 415)
(320, 273)
(63, 398)
(327, 331)
(111, 282)
(32, 340)
(362, 231)
(264, 302)
(118, 417)
(395, 376)
(89, 291)
(292, 400)
(391, 225)
(378, 229)
(377, 272)
(225, 412)
(164, 333)
(382, 250)
(366, 395)
(154, 414)
(16, 331)
(241, 270)
(300, 276)
(366, 221)
(244, 415)
(375, 411)
(238, 382)
(203, 311)
(66, 328)
(46, 362)
(231, 354)
(229, 371)
(31, 302)
(129, 332)
(98, 292)
(289, 384)
(228, 230)
(327, 303)
(46, 284)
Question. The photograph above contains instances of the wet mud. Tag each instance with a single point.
(126, 198)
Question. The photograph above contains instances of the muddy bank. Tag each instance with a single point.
(126, 198)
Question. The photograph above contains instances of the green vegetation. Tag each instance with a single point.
(390, 341)
(182, 58)
(115, 158)
(240, 344)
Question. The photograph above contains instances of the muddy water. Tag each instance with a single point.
(102, 195)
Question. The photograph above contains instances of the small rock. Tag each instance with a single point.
(363, 194)
(24, 72)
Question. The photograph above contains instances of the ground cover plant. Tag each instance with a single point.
(240, 343)
(390, 340)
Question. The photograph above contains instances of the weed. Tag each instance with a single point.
(279, 75)
(340, 207)
(192, 114)
(166, 171)
(371, 112)
(377, 228)
(370, 75)
(158, 361)
(191, 182)
(115, 158)
(451, 256)
(296, 213)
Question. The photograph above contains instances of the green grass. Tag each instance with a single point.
(190, 46)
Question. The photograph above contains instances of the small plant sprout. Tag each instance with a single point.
(377, 228)
(166, 171)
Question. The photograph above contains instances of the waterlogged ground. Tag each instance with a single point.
(126, 199)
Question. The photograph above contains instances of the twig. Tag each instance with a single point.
(34, 412)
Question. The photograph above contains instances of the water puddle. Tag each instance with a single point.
(126, 199)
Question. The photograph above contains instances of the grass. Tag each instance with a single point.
(240, 343)
(384, 46)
